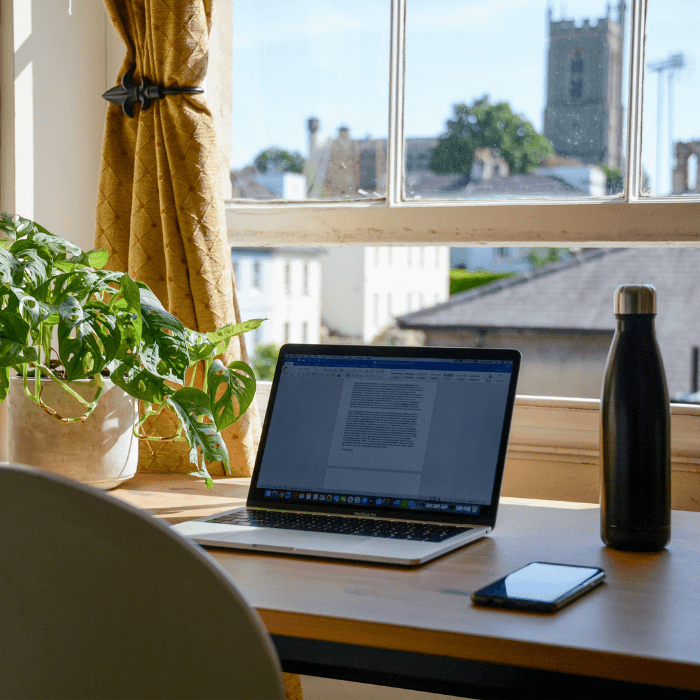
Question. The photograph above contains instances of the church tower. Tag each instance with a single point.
(583, 117)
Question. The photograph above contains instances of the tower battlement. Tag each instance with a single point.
(572, 28)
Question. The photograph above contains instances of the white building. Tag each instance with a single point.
(364, 289)
(290, 186)
(282, 285)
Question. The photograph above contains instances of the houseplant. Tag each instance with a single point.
(63, 318)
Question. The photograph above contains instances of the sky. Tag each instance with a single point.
(294, 59)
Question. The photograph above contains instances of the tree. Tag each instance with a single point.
(483, 125)
(265, 361)
(280, 160)
(613, 180)
(539, 257)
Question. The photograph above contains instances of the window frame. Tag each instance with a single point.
(627, 220)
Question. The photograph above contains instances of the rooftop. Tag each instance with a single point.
(577, 295)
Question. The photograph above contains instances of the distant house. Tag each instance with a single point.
(282, 285)
(364, 289)
(509, 259)
(561, 317)
(250, 184)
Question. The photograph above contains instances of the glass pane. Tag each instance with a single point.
(310, 96)
(512, 100)
(555, 305)
(671, 136)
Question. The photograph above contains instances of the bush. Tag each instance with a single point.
(461, 280)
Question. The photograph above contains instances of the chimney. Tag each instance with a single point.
(313, 124)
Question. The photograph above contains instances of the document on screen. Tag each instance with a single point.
(382, 425)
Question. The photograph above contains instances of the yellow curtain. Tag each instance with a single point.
(160, 211)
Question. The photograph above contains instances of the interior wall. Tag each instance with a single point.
(53, 155)
(52, 119)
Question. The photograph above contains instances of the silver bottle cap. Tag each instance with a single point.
(635, 299)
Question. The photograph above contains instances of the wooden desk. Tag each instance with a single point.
(417, 628)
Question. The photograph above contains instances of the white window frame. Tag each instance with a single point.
(629, 220)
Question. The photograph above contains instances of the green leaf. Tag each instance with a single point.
(208, 481)
(222, 336)
(78, 283)
(13, 353)
(199, 346)
(88, 339)
(13, 327)
(33, 266)
(127, 307)
(6, 225)
(97, 258)
(5, 383)
(138, 381)
(165, 350)
(193, 408)
(32, 310)
(70, 311)
(8, 265)
(55, 244)
(238, 381)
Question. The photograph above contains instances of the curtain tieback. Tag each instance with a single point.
(128, 93)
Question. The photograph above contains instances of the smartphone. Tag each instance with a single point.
(540, 587)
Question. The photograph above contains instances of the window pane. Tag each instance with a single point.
(671, 137)
(310, 96)
(512, 100)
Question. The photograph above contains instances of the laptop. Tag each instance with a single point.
(375, 453)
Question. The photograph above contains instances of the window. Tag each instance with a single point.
(287, 279)
(637, 209)
(577, 75)
(257, 276)
(305, 282)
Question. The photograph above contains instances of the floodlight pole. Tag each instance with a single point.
(671, 65)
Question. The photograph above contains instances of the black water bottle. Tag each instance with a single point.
(635, 503)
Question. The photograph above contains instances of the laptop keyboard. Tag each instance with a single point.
(314, 522)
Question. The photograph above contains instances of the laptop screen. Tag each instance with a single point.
(420, 431)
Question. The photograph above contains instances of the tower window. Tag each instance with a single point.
(577, 75)
(576, 88)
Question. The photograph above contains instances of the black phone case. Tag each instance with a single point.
(480, 597)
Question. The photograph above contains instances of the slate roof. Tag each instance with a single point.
(577, 294)
(427, 184)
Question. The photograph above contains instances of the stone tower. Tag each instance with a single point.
(583, 116)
